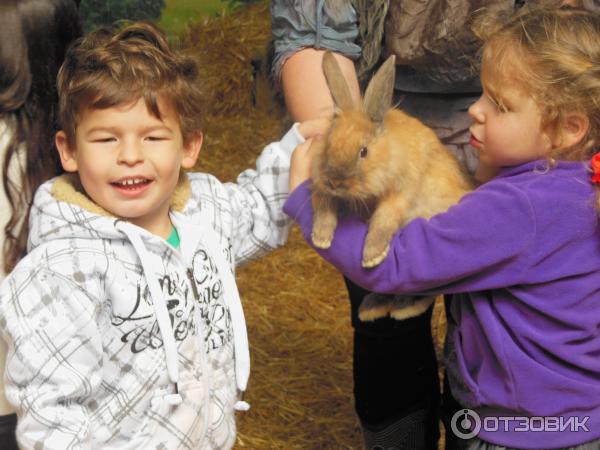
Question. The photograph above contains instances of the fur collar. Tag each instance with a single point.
(67, 188)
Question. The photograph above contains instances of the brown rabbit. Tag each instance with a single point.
(381, 163)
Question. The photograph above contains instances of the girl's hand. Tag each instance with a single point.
(314, 127)
(301, 163)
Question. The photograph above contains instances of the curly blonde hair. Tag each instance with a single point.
(554, 56)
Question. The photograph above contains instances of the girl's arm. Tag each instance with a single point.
(480, 243)
(54, 362)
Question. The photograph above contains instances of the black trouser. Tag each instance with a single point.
(8, 440)
(395, 368)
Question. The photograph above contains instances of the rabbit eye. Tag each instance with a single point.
(363, 152)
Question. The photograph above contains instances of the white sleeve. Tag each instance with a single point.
(257, 198)
(54, 361)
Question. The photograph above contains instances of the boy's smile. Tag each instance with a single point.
(129, 161)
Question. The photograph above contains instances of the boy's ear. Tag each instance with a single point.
(191, 150)
(575, 127)
(66, 153)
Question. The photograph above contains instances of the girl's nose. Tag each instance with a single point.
(476, 111)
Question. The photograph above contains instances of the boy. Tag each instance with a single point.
(124, 323)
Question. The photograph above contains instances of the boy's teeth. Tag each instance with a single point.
(131, 182)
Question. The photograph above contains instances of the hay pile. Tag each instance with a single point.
(296, 306)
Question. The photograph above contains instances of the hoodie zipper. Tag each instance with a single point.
(190, 275)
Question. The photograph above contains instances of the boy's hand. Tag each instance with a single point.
(313, 131)
(300, 169)
(314, 127)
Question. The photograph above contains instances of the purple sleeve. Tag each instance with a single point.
(480, 243)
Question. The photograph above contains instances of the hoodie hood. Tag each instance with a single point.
(62, 210)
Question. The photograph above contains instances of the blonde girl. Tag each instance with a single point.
(519, 256)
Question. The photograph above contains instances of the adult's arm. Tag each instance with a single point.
(302, 32)
(304, 87)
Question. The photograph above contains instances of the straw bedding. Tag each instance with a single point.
(296, 307)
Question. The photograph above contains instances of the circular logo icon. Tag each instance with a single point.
(465, 424)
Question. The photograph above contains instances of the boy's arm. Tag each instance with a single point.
(259, 224)
(480, 243)
(54, 363)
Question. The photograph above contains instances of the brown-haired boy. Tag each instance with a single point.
(124, 322)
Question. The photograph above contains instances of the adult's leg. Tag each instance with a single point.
(396, 386)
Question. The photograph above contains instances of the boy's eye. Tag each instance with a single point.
(156, 138)
(103, 140)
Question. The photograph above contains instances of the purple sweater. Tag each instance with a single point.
(521, 254)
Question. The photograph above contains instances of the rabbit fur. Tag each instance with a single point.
(385, 165)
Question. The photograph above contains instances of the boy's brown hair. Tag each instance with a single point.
(106, 69)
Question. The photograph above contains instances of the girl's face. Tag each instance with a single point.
(507, 128)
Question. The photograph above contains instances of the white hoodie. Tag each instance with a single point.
(117, 340)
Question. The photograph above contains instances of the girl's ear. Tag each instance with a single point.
(575, 127)
(66, 153)
(191, 150)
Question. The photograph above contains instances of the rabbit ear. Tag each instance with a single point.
(380, 91)
(336, 82)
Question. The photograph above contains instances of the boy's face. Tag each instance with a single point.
(128, 160)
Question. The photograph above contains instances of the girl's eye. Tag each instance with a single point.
(362, 153)
(498, 104)
(501, 107)
(156, 138)
(104, 140)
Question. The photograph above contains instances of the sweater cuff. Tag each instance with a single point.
(299, 208)
(292, 139)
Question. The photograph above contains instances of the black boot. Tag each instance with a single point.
(411, 432)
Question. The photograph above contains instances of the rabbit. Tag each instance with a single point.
(385, 165)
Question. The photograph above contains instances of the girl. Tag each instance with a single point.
(34, 36)
(521, 254)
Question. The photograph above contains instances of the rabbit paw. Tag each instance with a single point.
(399, 307)
(321, 240)
(377, 245)
(372, 256)
(375, 306)
(323, 229)
(406, 307)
